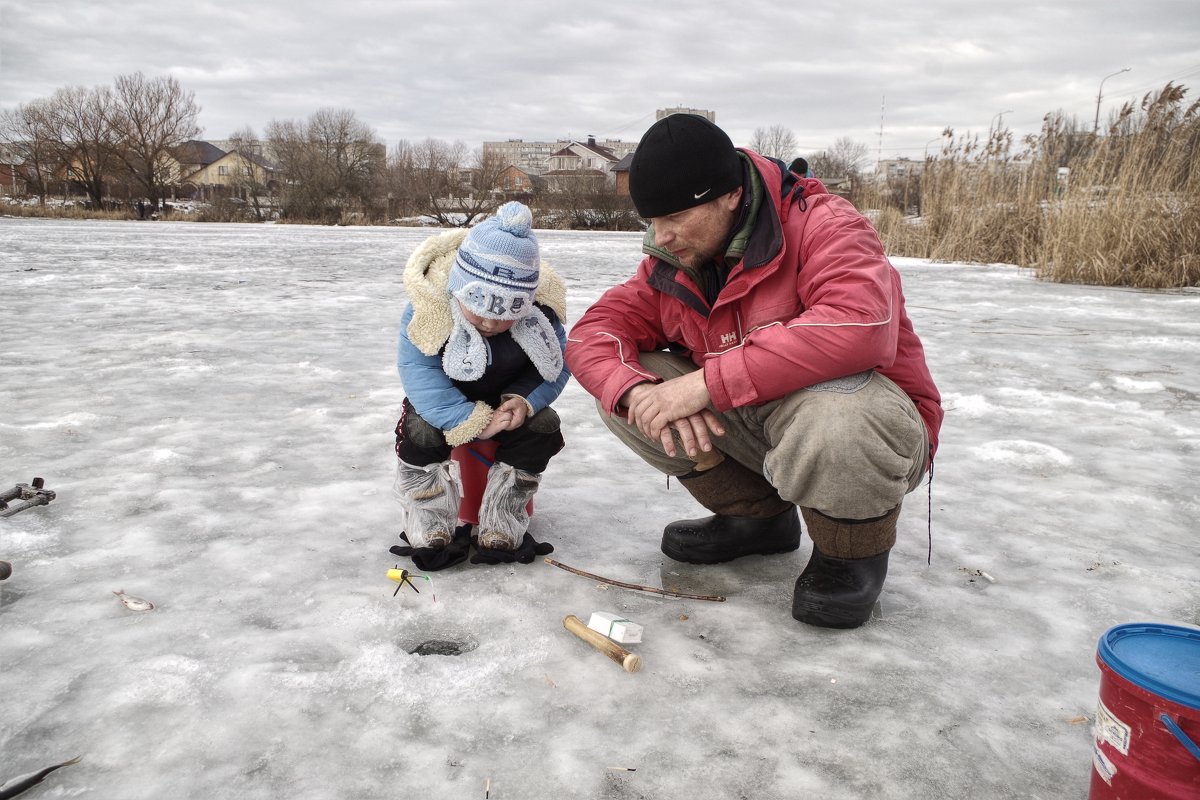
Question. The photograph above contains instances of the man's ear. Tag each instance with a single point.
(732, 200)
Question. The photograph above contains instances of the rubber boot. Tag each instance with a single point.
(504, 510)
(846, 571)
(430, 496)
(750, 518)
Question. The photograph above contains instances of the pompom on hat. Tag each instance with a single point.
(682, 161)
(497, 269)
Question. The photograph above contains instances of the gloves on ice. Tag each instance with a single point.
(431, 559)
(526, 552)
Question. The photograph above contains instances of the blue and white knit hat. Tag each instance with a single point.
(497, 269)
(496, 274)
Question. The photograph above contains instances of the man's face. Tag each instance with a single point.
(697, 235)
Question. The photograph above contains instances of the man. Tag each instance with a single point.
(762, 354)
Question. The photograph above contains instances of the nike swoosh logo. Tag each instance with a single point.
(698, 196)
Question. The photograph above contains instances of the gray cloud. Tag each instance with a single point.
(478, 70)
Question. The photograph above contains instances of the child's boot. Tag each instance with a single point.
(503, 512)
(430, 496)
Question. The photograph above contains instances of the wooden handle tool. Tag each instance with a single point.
(628, 661)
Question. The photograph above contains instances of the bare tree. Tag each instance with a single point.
(482, 197)
(332, 164)
(346, 152)
(844, 159)
(87, 143)
(286, 141)
(399, 183)
(611, 211)
(251, 180)
(774, 142)
(437, 177)
(152, 117)
(289, 143)
(443, 180)
(28, 133)
(587, 200)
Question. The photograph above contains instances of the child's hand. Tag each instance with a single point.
(500, 421)
(518, 409)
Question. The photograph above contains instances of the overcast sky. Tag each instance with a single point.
(890, 75)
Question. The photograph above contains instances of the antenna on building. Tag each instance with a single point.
(882, 105)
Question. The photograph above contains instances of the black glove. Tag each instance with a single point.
(528, 550)
(431, 559)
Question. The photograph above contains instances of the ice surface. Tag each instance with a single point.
(214, 405)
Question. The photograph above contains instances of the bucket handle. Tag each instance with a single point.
(1178, 733)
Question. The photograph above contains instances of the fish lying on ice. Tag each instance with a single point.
(21, 783)
(134, 603)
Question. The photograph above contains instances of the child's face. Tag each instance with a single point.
(485, 325)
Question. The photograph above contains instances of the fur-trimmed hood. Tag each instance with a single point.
(426, 276)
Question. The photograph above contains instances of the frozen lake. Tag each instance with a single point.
(214, 406)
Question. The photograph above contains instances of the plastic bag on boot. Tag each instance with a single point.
(429, 497)
(503, 512)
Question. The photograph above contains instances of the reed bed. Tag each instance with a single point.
(1116, 207)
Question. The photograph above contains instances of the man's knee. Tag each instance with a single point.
(649, 451)
(852, 449)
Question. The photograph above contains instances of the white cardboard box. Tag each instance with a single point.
(615, 627)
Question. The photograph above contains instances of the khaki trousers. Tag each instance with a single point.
(850, 448)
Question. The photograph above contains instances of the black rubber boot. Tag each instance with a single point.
(839, 592)
(720, 538)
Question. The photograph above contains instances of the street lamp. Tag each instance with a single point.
(1100, 94)
(931, 141)
(996, 117)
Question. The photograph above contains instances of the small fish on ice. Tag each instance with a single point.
(22, 783)
(134, 603)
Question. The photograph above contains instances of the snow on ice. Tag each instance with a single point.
(214, 405)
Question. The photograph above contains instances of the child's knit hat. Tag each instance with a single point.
(497, 268)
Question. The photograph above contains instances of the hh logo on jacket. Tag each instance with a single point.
(728, 339)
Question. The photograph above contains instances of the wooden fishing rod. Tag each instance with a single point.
(634, 586)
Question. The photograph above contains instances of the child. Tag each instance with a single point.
(481, 357)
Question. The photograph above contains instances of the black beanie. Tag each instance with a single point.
(682, 161)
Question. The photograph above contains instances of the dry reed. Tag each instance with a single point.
(1122, 208)
(59, 212)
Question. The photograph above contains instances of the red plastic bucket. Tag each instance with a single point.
(1147, 731)
(474, 459)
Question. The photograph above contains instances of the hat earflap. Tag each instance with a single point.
(536, 336)
(465, 357)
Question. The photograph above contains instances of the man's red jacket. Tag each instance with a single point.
(814, 298)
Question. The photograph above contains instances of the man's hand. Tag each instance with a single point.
(678, 406)
(518, 408)
(508, 417)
